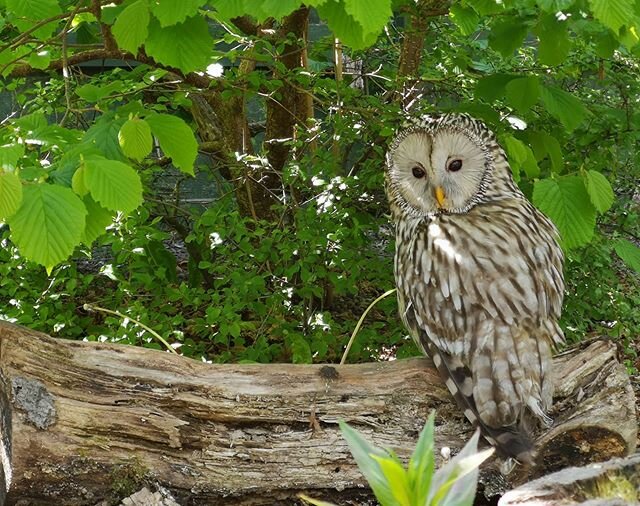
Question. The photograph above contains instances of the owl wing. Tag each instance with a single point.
(483, 301)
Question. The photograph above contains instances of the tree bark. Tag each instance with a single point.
(613, 483)
(86, 422)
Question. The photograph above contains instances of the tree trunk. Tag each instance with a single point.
(86, 422)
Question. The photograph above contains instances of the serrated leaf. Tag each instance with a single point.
(613, 13)
(363, 452)
(49, 224)
(566, 201)
(185, 45)
(516, 153)
(10, 154)
(132, 26)
(523, 93)
(135, 139)
(30, 12)
(465, 18)
(78, 183)
(372, 15)
(629, 253)
(278, 9)
(546, 145)
(599, 189)
(93, 93)
(170, 12)
(10, 194)
(507, 35)
(563, 106)
(103, 134)
(554, 40)
(493, 86)
(228, 9)
(115, 185)
(176, 140)
(344, 26)
(98, 219)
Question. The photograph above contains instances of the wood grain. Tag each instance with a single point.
(85, 422)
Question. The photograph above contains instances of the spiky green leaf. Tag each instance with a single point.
(115, 185)
(10, 194)
(135, 139)
(132, 26)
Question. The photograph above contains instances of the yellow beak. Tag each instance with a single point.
(440, 196)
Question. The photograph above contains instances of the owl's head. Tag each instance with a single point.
(444, 164)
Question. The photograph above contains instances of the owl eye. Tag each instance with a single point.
(418, 172)
(454, 165)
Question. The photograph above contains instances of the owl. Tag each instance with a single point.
(478, 271)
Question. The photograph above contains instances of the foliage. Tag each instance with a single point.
(93, 164)
(420, 484)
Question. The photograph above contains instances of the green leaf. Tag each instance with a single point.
(132, 26)
(523, 93)
(372, 15)
(228, 9)
(344, 26)
(10, 154)
(98, 219)
(176, 140)
(613, 13)
(396, 478)
(185, 45)
(493, 86)
(422, 463)
(278, 9)
(566, 201)
(599, 189)
(554, 40)
(171, 12)
(40, 60)
(300, 350)
(363, 453)
(93, 93)
(115, 185)
(10, 194)
(30, 12)
(566, 108)
(465, 18)
(507, 35)
(49, 224)
(554, 6)
(545, 145)
(135, 139)
(629, 253)
(103, 134)
(455, 483)
(516, 153)
(606, 44)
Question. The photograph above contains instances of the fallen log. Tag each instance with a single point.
(612, 483)
(86, 422)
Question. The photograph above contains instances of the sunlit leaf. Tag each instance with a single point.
(599, 189)
(49, 223)
(135, 139)
(613, 13)
(132, 26)
(115, 185)
(170, 12)
(10, 194)
(565, 200)
(176, 140)
(98, 219)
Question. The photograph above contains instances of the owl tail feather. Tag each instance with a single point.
(510, 442)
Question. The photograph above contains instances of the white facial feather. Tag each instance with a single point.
(434, 154)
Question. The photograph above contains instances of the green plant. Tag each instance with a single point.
(420, 484)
